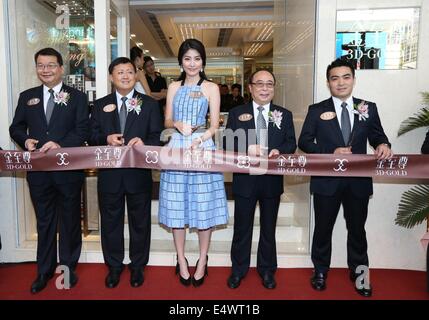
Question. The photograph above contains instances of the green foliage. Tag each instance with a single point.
(420, 119)
(414, 207)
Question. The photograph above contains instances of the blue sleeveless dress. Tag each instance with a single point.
(186, 198)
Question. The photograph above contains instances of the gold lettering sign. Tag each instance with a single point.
(33, 102)
(245, 117)
(328, 115)
(109, 108)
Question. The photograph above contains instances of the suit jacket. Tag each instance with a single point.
(425, 146)
(68, 127)
(146, 126)
(283, 139)
(324, 136)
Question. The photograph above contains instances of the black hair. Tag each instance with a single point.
(135, 53)
(120, 60)
(49, 52)
(147, 59)
(254, 73)
(236, 85)
(340, 63)
(185, 47)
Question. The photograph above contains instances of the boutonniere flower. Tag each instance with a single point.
(62, 98)
(135, 105)
(361, 109)
(276, 118)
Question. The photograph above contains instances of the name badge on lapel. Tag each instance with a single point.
(109, 108)
(33, 102)
(245, 117)
(328, 116)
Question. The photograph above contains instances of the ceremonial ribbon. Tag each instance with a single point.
(163, 158)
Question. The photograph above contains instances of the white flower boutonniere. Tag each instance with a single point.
(62, 98)
(135, 105)
(361, 109)
(276, 118)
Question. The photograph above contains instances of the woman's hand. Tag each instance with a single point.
(184, 128)
(197, 143)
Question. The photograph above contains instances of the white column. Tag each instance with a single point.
(123, 27)
(102, 46)
(8, 225)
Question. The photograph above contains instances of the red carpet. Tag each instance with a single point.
(161, 284)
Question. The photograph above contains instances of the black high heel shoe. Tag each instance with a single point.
(185, 282)
(199, 282)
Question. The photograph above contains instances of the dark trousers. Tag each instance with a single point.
(355, 213)
(57, 204)
(112, 209)
(244, 213)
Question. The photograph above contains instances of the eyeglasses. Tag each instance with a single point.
(49, 67)
(260, 85)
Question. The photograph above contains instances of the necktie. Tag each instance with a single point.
(261, 128)
(123, 114)
(50, 106)
(345, 123)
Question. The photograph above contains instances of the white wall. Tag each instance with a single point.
(7, 183)
(396, 93)
(19, 61)
(294, 69)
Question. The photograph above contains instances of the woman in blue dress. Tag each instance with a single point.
(192, 199)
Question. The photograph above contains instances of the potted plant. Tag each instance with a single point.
(414, 205)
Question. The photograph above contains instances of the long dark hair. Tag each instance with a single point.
(196, 45)
(135, 53)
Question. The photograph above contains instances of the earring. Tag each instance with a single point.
(181, 69)
(202, 70)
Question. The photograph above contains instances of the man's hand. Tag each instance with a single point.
(135, 142)
(383, 152)
(49, 146)
(255, 150)
(31, 144)
(347, 150)
(274, 153)
(115, 140)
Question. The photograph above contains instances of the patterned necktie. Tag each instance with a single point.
(346, 127)
(50, 106)
(261, 128)
(123, 114)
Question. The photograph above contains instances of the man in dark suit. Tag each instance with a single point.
(256, 119)
(425, 146)
(340, 125)
(125, 117)
(49, 117)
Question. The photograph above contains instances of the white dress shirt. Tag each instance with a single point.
(119, 99)
(47, 95)
(264, 112)
(339, 110)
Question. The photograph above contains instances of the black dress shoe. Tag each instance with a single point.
(234, 281)
(361, 288)
(137, 278)
(185, 282)
(40, 283)
(113, 277)
(268, 281)
(364, 292)
(318, 281)
(73, 279)
(199, 282)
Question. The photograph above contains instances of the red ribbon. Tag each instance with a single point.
(161, 158)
